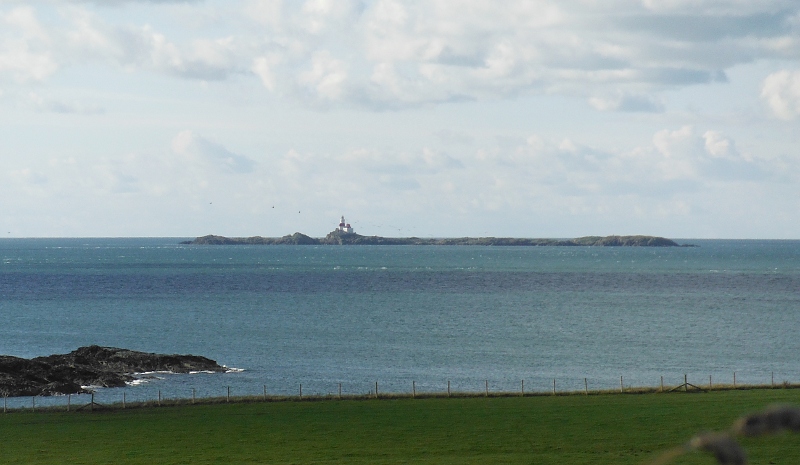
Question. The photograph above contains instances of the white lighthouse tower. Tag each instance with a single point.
(345, 227)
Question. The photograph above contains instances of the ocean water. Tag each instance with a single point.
(357, 315)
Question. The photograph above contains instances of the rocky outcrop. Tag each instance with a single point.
(625, 241)
(290, 239)
(89, 366)
(343, 238)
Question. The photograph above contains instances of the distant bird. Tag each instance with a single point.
(273, 206)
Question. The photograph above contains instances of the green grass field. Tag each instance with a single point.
(596, 429)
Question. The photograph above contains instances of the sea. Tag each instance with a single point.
(316, 319)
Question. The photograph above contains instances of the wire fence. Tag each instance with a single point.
(88, 402)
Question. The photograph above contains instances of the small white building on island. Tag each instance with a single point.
(345, 227)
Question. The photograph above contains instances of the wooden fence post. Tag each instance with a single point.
(487, 388)
(194, 395)
(413, 389)
(554, 386)
(773, 379)
(69, 398)
(662, 383)
(685, 383)
(621, 389)
(301, 391)
(734, 380)
(448, 388)
(5, 403)
(123, 399)
(159, 398)
(585, 387)
(522, 388)
(710, 386)
(33, 403)
(376, 389)
(228, 397)
(340, 391)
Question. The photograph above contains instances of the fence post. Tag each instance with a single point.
(522, 388)
(621, 389)
(710, 386)
(69, 398)
(159, 397)
(33, 403)
(340, 391)
(585, 387)
(228, 396)
(448, 388)
(773, 379)
(554, 386)
(662, 383)
(5, 403)
(413, 389)
(301, 391)
(123, 399)
(734, 380)
(194, 395)
(91, 404)
(265, 393)
(487, 388)
(685, 383)
(376, 389)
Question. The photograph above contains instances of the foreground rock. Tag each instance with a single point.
(89, 366)
(343, 238)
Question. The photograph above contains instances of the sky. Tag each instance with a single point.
(429, 118)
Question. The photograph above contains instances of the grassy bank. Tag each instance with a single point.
(613, 429)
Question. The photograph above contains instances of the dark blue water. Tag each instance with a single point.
(321, 316)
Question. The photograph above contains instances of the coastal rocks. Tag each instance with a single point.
(89, 366)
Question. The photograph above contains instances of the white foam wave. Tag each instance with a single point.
(233, 370)
(138, 381)
(91, 387)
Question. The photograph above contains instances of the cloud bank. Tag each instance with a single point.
(390, 54)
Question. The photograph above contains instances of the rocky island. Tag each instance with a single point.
(89, 366)
(347, 238)
(344, 234)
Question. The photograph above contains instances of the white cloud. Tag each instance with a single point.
(200, 150)
(781, 91)
(327, 76)
(719, 146)
(262, 67)
(627, 103)
(25, 46)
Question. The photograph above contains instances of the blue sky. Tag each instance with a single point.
(437, 118)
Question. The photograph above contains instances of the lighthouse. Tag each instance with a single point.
(345, 227)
